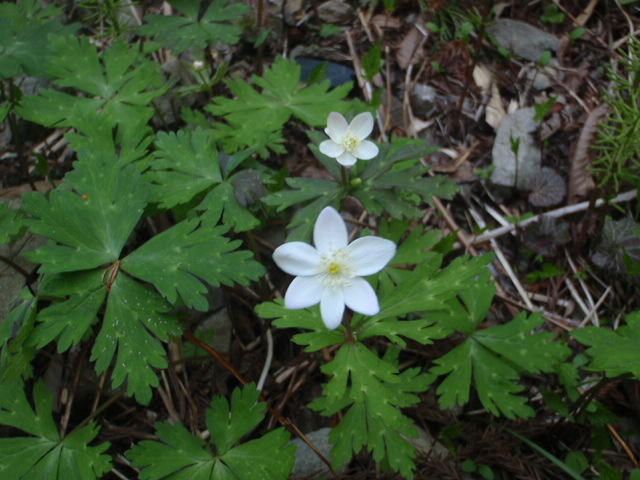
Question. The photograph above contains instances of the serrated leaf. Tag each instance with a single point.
(46, 454)
(120, 86)
(10, 223)
(177, 259)
(68, 321)
(26, 29)
(252, 115)
(90, 225)
(308, 318)
(492, 359)
(223, 198)
(134, 315)
(613, 352)
(182, 33)
(186, 163)
(180, 456)
(15, 355)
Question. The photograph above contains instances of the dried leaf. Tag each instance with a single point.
(543, 237)
(620, 238)
(548, 188)
(580, 178)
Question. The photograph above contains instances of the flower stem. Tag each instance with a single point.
(345, 177)
(351, 339)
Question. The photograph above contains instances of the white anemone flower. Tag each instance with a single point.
(330, 273)
(348, 143)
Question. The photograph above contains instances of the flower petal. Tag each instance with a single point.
(303, 292)
(362, 125)
(330, 232)
(337, 126)
(332, 307)
(331, 148)
(366, 150)
(360, 297)
(297, 258)
(347, 160)
(369, 255)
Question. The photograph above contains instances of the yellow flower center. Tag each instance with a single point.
(336, 268)
(350, 142)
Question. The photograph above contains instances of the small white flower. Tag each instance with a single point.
(330, 273)
(198, 65)
(348, 143)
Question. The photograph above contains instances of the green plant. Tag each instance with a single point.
(618, 137)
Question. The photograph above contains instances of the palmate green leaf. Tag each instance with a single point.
(613, 352)
(90, 224)
(120, 83)
(492, 359)
(177, 259)
(15, 355)
(319, 337)
(26, 29)
(10, 223)
(68, 321)
(180, 456)
(375, 390)
(181, 33)
(45, 454)
(253, 116)
(187, 164)
(323, 192)
(135, 315)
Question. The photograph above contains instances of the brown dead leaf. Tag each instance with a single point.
(580, 178)
(409, 50)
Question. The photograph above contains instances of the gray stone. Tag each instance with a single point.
(523, 39)
(308, 464)
(423, 100)
(509, 168)
(335, 11)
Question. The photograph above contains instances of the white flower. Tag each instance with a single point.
(348, 143)
(330, 273)
(198, 65)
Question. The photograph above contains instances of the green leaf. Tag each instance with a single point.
(15, 356)
(493, 358)
(309, 319)
(26, 29)
(68, 321)
(10, 223)
(613, 352)
(46, 454)
(118, 84)
(254, 115)
(186, 164)
(324, 193)
(177, 259)
(90, 224)
(182, 33)
(180, 455)
(135, 315)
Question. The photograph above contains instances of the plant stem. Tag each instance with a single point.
(345, 177)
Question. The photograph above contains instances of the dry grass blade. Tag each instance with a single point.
(580, 179)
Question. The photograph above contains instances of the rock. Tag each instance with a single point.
(541, 78)
(423, 100)
(517, 126)
(308, 464)
(335, 11)
(523, 39)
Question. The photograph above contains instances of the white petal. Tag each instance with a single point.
(297, 258)
(347, 160)
(369, 255)
(331, 148)
(366, 150)
(303, 292)
(362, 125)
(332, 307)
(330, 232)
(337, 126)
(361, 297)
